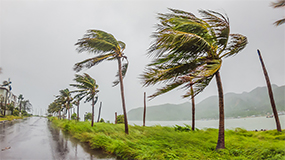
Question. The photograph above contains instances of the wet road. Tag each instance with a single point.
(36, 139)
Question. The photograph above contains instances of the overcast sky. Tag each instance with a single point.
(37, 49)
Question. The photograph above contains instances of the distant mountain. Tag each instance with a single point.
(255, 102)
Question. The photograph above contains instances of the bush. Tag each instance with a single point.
(120, 119)
(16, 112)
(88, 116)
(74, 116)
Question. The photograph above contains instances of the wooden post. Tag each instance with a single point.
(99, 112)
(144, 109)
(115, 117)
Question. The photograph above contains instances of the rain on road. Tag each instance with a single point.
(36, 138)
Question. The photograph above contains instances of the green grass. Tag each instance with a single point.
(10, 118)
(159, 142)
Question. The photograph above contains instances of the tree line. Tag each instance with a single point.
(187, 53)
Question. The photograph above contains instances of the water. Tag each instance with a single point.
(246, 123)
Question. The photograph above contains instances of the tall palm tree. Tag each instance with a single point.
(88, 89)
(107, 48)
(188, 51)
(66, 99)
(279, 4)
(275, 113)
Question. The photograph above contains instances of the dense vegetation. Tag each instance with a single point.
(255, 102)
(157, 142)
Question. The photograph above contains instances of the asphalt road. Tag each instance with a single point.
(35, 139)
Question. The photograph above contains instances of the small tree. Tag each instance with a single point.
(74, 116)
(120, 119)
(87, 116)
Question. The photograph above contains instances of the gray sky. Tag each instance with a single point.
(37, 49)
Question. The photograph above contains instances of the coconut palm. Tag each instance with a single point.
(20, 99)
(106, 47)
(8, 88)
(279, 4)
(188, 51)
(270, 93)
(66, 99)
(88, 89)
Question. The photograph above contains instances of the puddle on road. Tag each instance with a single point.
(67, 147)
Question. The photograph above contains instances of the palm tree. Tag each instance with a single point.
(20, 98)
(188, 52)
(107, 48)
(66, 99)
(279, 4)
(88, 89)
(8, 88)
(76, 101)
(275, 113)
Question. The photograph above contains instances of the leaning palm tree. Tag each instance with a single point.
(188, 51)
(88, 89)
(66, 99)
(270, 93)
(279, 4)
(107, 48)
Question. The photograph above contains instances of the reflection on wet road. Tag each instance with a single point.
(35, 138)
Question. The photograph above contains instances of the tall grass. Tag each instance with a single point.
(157, 142)
(10, 118)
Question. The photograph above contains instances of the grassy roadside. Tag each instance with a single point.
(10, 118)
(159, 142)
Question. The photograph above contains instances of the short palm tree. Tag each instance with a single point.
(188, 51)
(20, 99)
(66, 99)
(88, 89)
(279, 4)
(107, 48)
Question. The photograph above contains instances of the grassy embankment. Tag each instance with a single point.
(159, 142)
(10, 118)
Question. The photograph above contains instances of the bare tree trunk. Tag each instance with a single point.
(193, 109)
(92, 119)
(123, 96)
(144, 109)
(78, 111)
(275, 113)
(5, 103)
(99, 112)
(221, 138)
(115, 117)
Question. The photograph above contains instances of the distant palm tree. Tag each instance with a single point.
(76, 101)
(188, 52)
(279, 4)
(275, 113)
(88, 89)
(20, 99)
(66, 99)
(8, 88)
(108, 48)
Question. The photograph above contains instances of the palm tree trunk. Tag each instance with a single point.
(193, 109)
(5, 102)
(92, 119)
(144, 109)
(221, 138)
(122, 95)
(78, 111)
(99, 112)
(115, 117)
(278, 126)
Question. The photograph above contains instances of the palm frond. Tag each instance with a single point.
(122, 45)
(166, 89)
(88, 63)
(97, 41)
(279, 22)
(279, 3)
(236, 44)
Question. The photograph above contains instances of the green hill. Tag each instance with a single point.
(255, 102)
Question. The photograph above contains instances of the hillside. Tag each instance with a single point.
(255, 102)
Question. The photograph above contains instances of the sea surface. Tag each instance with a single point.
(252, 123)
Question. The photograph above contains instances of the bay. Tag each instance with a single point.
(250, 123)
